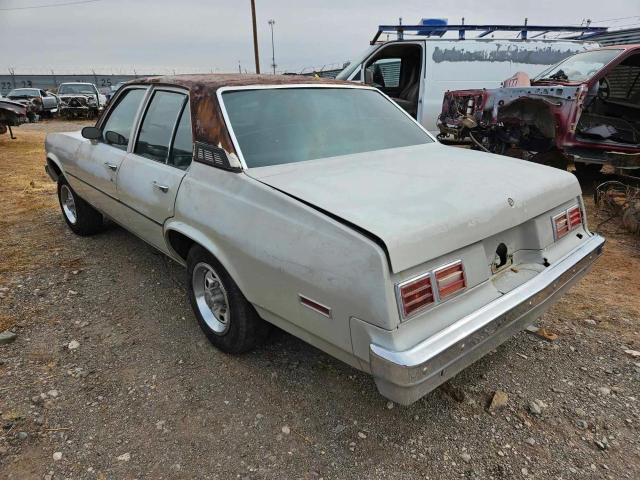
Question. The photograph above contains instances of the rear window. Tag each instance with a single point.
(286, 125)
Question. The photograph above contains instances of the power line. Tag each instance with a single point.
(50, 5)
(614, 19)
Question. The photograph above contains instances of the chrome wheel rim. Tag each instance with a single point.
(68, 204)
(211, 298)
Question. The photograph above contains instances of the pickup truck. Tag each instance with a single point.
(585, 109)
(323, 208)
(80, 100)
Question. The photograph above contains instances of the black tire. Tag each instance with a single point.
(81, 217)
(243, 329)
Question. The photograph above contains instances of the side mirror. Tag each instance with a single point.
(114, 138)
(91, 133)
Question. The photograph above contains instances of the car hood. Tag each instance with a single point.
(77, 95)
(424, 201)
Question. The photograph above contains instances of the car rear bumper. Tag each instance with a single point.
(406, 376)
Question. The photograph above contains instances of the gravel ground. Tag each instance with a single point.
(110, 377)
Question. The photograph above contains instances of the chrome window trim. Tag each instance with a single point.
(143, 112)
(114, 104)
(234, 140)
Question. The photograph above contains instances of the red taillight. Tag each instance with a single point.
(560, 225)
(566, 221)
(415, 295)
(575, 217)
(450, 279)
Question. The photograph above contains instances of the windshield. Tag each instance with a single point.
(579, 67)
(24, 92)
(287, 125)
(75, 88)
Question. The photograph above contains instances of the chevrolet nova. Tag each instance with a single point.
(323, 208)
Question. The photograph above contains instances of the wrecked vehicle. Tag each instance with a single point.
(585, 109)
(39, 103)
(80, 100)
(323, 208)
(12, 114)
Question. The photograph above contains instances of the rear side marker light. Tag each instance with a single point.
(315, 306)
(566, 221)
(415, 294)
(450, 279)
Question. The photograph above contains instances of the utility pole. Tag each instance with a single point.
(255, 35)
(272, 22)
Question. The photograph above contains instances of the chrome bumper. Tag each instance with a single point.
(406, 376)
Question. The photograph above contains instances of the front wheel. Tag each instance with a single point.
(81, 217)
(227, 318)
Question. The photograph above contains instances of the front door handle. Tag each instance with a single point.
(111, 166)
(162, 188)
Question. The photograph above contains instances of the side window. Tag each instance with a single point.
(182, 150)
(384, 73)
(624, 80)
(158, 124)
(117, 129)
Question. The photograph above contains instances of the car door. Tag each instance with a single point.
(151, 174)
(48, 100)
(93, 169)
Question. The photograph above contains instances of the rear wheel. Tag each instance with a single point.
(81, 217)
(227, 318)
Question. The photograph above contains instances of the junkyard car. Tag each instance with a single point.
(586, 109)
(12, 114)
(38, 102)
(322, 207)
(80, 100)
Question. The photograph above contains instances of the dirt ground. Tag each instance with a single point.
(143, 394)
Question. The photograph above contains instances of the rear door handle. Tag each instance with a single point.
(111, 166)
(162, 188)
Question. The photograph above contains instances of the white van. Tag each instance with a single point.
(417, 72)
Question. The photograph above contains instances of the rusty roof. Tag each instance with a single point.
(207, 121)
(214, 81)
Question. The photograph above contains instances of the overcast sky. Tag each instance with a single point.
(156, 36)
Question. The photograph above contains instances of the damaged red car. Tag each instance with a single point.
(585, 109)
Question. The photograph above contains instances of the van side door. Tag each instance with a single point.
(151, 174)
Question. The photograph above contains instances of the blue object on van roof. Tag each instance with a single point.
(433, 22)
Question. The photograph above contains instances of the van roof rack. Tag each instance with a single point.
(439, 30)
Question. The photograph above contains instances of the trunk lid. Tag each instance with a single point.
(427, 200)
